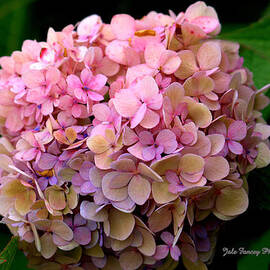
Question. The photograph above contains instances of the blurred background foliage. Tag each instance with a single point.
(247, 22)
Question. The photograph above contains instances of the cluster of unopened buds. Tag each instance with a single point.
(126, 145)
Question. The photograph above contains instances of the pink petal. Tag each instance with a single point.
(76, 110)
(97, 82)
(139, 115)
(172, 177)
(152, 54)
(136, 150)
(108, 67)
(93, 56)
(47, 107)
(186, 138)
(116, 51)
(101, 112)
(88, 25)
(13, 122)
(52, 75)
(146, 138)
(86, 76)
(138, 71)
(129, 136)
(237, 130)
(126, 103)
(94, 96)
(235, 147)
(31, 48)
(150, 120)
(73, 81)
(33, 78)
(207, 23)
(155, 102)
(171, 62)
(30, 154)
(167, 139)
(161, 252)
(148, 153)
(147, 88)
(65, 102)
(34, 95)
(123, 26)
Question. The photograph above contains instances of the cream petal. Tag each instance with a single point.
(148, 248)
(232, 201)
(130, 260)
(114, 194)
(139, 189)
(161, 193)
(216, 168)
(121, 224)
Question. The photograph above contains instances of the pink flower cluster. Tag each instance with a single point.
(126, 142)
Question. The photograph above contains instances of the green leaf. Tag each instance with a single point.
(266, 12)
(6, 7)
(14, 20)
(8, 254)
(262, 261)
(255, 48)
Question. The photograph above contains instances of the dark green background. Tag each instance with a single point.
(30, 19)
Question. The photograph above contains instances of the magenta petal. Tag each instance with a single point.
(161, 252)
(79, 220)
(53, 180)
(167, 238)
(175, 252)
(235, 147)
(77, 180)
(43, 183)
(237, 130)
(138, 117)
(47, 161)
(82, 235)
(85, 168)
(88, 187)
(203, 244)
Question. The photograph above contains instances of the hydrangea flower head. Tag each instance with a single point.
(125, 143)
